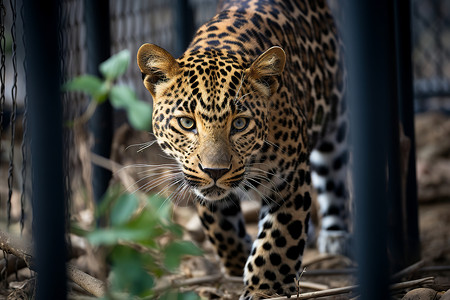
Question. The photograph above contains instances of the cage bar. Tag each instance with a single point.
(101, 123)
(370, 90)
(45, 128)
(409, 205)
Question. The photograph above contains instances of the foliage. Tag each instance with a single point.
(143, 243)
(120, 96)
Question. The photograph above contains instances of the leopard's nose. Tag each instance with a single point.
(215, 173)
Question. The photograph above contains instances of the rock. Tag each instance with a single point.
(446, 295)
(421, 294)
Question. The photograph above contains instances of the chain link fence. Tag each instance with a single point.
(431, 54)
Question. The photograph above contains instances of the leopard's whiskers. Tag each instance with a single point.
(240, 85)
(253, 188)
(260, 182)
(159, 181)
(275, 146)
(256, 169)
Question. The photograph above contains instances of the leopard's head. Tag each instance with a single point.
(211, 112)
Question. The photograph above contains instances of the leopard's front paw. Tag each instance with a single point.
(252, 293)
(248, 295)
(335, 242)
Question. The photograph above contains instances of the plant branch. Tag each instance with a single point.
(114, 167)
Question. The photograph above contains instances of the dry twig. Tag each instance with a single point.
(114, 167)
(323, 257)
(327, 272)
(410, 269)
(419, 265)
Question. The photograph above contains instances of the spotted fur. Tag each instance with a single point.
(258, 91)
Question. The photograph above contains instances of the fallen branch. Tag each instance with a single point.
(326, 272)
(90, 284)
(411, 283)
(408, 270)
(418, 266)
(16, 247)
(302, 284)
(23, 250)
(329, 292)
(352, 288)
(187, 282)
(313, 286)
(323, 257)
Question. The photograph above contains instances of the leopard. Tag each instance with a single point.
(255, 109)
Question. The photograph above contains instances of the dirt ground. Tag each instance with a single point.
(433, 171)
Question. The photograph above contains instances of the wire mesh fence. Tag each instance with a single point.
(133, 23)
(431, 54)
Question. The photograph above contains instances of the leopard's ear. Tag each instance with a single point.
(267, 67)
(157, 66)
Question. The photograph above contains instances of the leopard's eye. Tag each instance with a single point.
(240, 124)
(186, 123)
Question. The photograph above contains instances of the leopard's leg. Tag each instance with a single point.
(224, 225)
(275, 260)
(329, 162)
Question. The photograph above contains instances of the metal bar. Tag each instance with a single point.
(45, 128)
(411, 251)
(396, 230)
(101, 123)
(370, 90)
(184, 25)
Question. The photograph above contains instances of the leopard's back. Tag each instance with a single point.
(313, 81)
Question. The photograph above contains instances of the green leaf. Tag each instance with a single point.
(171, 295)
(116, 65)
(175, 229)
(123, 209)
(122, 96)
(76, 229)
(161, 205)
(176, 250)
(139, 112)
(149, 221)
(128, 271)
(111, 236)
(108, 198)
(83, 83)
(140, 115)
(89, 84)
